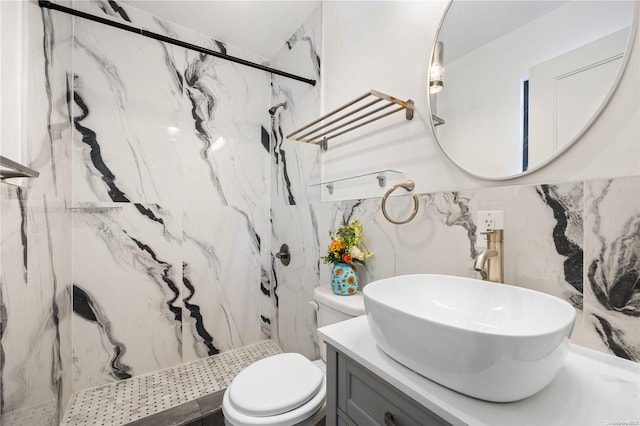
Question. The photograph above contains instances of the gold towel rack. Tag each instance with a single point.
(336, 127)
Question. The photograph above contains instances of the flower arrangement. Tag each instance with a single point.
(346, 245)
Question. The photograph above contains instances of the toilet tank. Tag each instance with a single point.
(332, 308)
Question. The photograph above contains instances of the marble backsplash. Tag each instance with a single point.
(578, 241)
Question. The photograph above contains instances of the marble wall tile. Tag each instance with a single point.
(48, 122)
(35, 238)
(34, 303)
(543, 229)
(127, 273)
(129, 15)
(612, 266)
(14, 275)
(221, 276)
(126, 103)
(435, 241)
(171, 190)
(294, 322)
(222, 155)
(451, 232)
(295, 165)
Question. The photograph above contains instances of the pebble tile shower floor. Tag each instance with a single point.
(141, 396)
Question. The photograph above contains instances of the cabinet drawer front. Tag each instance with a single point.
(367, 399)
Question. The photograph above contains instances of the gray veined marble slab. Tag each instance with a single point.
(567, 204)
(124, 107)
(294, 164)
(612, 266)
(222, 157)
(35, 266)
(165, 138)
(127, 272)
(35, 272)
(49, 127)
(293, 324)
(222, 278)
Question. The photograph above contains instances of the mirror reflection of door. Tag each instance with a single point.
(567, 90)
(571, 53)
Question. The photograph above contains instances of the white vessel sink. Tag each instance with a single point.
(490, 341)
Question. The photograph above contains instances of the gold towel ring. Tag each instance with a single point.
(409, 186)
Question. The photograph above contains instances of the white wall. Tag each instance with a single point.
(386, 46)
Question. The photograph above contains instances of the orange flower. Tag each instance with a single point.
(336, 245)
(350, 280)
(346, 258)
(338, 272)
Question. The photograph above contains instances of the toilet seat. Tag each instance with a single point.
(280, 390)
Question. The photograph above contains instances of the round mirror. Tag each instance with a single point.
(514, 83)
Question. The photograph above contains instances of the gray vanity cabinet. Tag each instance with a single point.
(355, 396)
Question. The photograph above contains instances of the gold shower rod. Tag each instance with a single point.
(336, 127)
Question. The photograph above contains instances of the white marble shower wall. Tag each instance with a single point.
(158, 250)
(170, 198)
(35, 307)
(294, 166)
(35, 239)
(148, 228)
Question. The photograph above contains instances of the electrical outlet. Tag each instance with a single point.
(488, 219)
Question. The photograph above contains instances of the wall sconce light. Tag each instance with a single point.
(436, 72)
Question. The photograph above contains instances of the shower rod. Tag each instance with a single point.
(49, 5)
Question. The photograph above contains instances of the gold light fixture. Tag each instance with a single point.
(436, 72)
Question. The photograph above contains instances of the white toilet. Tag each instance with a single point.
(288, 389)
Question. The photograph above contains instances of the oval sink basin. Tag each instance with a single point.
(491, 341)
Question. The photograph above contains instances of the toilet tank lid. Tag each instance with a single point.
(352, 304)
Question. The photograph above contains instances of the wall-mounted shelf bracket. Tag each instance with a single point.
(370, 107)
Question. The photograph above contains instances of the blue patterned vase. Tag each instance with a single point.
(344, 279)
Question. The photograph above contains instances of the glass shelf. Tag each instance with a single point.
(380, 175)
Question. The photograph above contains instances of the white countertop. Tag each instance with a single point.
(591, 389)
